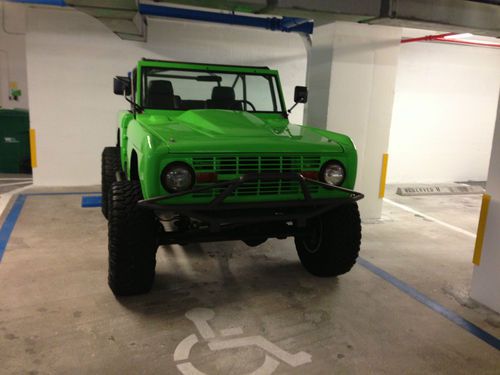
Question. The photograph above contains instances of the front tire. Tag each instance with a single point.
(331, 246)
(110, 164)
(132, 241)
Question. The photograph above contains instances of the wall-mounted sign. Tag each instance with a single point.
(14, 91)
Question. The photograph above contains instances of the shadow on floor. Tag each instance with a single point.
(174, 293)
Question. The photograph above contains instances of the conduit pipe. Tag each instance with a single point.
(426, 38)
(448, 38)
(286, 24)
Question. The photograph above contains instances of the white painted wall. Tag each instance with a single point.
(352, 76)
(72, 59)
(444, 113)
(12, 54)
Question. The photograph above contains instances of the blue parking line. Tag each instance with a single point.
(11, 219)
(433, 305)
(91, 201)
(10, 222)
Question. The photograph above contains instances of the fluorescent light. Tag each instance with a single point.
(475, 41)
(466, 39)
(458, 36)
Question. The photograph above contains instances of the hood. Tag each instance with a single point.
(221, 131)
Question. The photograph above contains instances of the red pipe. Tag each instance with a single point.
(460, 41)
(426, 38)
(446, 39)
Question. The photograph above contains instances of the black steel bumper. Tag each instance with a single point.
(217, 213)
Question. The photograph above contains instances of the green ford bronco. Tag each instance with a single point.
(206, 153)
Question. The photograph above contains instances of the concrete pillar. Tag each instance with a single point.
(486, 275)
(351, 78)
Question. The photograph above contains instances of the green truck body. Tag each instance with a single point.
(209, 149)
(231, 142)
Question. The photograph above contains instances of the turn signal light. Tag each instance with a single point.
(204, 177)
(313, 175)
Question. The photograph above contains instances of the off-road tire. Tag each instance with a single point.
(110, 164)
(132, 241)
(332, 244)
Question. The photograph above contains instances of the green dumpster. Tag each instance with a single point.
(14, 141)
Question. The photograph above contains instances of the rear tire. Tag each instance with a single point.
(332, 245)
(110, 164)
(132, 241)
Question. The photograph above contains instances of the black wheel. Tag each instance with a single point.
(132, 241)
(332, 244)
(110, 164)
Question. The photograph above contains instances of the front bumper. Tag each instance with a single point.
(217, 213)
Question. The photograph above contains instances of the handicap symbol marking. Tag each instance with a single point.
(200, 318)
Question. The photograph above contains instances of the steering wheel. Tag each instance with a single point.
(250, 104)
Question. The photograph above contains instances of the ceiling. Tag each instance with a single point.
(478, 17)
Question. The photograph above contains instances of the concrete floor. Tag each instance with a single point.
(57, 314)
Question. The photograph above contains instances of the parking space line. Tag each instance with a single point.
(11, 219)
(10, 222)
(437, 221)
(433, 305)
(91, 201)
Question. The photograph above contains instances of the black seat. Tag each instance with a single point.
(192, 104)
(223, 98)
(161, 95)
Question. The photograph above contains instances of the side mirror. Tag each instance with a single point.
(121, 85)
(300, 94)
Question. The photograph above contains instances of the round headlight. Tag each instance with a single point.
(177, 177)
(333, 173)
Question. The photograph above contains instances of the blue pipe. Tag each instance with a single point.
(59, 3)
(287, 24)
(291, 22)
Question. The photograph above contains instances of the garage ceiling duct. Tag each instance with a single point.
(287, 24)
(457, 16)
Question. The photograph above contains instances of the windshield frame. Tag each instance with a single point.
(275, 84)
